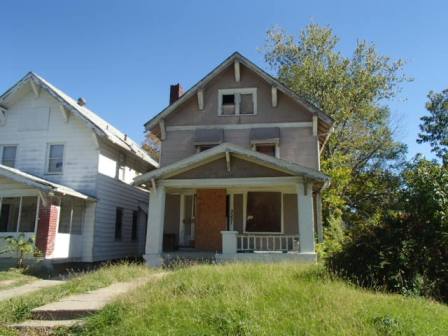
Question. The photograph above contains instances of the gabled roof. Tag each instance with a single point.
(243, 60)
(99, 125)
(39, 183)
(247, 154)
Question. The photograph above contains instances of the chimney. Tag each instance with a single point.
(176, 91)
(81, 101)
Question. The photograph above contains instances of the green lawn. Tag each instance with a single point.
(18, 309)
(240, 299)
(251, 299)
(13, 277)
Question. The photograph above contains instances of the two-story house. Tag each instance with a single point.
(239, 173)
(66, 177)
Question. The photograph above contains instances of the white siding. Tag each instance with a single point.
(111, 194)
(80, 149)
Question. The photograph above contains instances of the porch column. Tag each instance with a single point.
(306, 218)
(154, 235)
(319, 228)
(47, 227)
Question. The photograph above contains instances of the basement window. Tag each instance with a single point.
(232, 102)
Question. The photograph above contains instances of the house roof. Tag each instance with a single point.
(247, 154)
(39, 183)
(243, 60)
(99, 125)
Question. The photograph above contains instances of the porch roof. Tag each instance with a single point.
(243, 153)
(39, 183)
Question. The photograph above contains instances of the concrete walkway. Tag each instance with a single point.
(68, 311)
(31, 287)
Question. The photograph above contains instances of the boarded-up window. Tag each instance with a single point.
(264, 212)
(228, 104)
(246, 104)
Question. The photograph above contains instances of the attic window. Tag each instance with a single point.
(233, 102)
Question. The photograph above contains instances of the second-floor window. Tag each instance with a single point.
(55, 162)
(8, 155)
(233, 102)
(268, 149)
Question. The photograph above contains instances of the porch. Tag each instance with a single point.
(51, 213)
(256, 219)
(235, 203)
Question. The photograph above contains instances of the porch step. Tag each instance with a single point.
(44, 326)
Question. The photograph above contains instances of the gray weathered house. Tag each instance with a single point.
(239, 172)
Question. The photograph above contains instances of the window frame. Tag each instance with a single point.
(2, 150)
(282, 227)
(275, 144)
(237, 92)
(71, 210)
(47, 164)
(36, 219)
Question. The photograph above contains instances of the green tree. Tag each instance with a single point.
(434, 128)
(354, 91)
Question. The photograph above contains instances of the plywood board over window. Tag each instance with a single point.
(264, 212)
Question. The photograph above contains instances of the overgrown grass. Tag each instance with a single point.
(264, 299)
(19, 308)
(13, 278)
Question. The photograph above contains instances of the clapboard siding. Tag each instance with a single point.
(297, 145)
(80, 150)
(111, 194)
(34, 122)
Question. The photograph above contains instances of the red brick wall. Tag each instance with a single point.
(46, 228)
(211, 219)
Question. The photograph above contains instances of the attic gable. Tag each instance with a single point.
(236, 62)
(69, 107)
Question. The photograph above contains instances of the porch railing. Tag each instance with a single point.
(267, 243)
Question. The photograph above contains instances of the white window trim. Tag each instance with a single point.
(19, 217)
(237, 92)
(2, 147)
(282, 229)
(277, 147)
(47, 163)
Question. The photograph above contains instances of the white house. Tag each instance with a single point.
(66, 174)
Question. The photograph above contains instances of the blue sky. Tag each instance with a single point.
(123, 55)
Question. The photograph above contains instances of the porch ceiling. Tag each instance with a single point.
(39, 183)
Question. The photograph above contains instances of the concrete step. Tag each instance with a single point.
(39, 325)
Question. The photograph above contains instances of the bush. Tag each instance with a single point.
(408, 252)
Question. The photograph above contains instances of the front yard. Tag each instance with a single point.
(240, 299)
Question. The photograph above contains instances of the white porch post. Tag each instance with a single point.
(306, 218)
(154, 235)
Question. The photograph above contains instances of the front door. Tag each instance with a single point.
(187, 220)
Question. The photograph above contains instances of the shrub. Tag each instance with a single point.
(408, 252)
